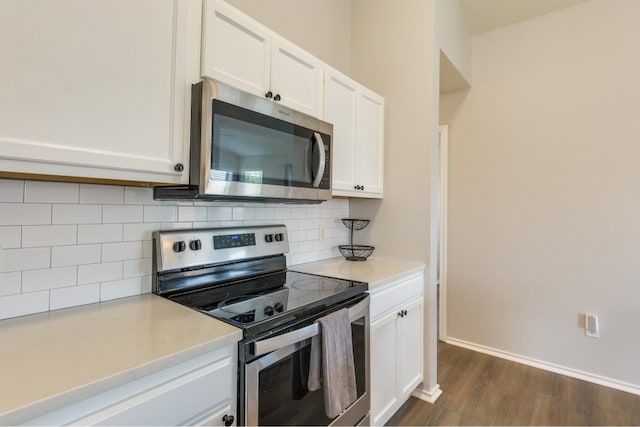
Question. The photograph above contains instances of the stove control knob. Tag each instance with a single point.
(179, 246)
(268, 238)
(279, 307)
(195, 245)
(268, 311)
(279, 237)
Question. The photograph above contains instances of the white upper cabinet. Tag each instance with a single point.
(98, 89)
(357, 115)
(296, 77)
(235, 49)
(241, 52)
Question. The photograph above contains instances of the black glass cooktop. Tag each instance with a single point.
(260, 303)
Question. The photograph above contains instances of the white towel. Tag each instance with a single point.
(333, 349)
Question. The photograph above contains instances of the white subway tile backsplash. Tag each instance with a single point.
(160, 213)
(175, 225)
(99, 233)
(219, 213)
(139, 196)
(11, 190)
(140, 231)
(77, 214)
(121, 213)
(50, 192)
(299, 213)
(95, 273)
(23, 304)
(74, 295)
(55, 235)
(292, 224)
(282, 213)
(299, 258)
(49, 278)
(24, 214)
(192, 213)
(10, 283)
(11, 237)
(120, 288)
(25, 259)
(264, 213)
(147, 249)
(297, 236)
(75, 255)
(98, 194)
(207, 224)
(121, 251)
(306, 246)
(306, 224)
(48, 235)
(136, 268)
(146, 284)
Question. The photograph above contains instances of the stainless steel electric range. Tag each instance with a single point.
(239, 275)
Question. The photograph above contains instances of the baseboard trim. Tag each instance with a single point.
(428, 396)
(569, 372)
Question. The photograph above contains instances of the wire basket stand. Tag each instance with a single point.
(355, 252)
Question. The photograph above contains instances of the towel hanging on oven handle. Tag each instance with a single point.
(270, 344)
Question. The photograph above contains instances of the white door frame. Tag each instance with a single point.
(444, 187)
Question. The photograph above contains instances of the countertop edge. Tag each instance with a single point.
(388, 269)
(53, 403)
(408, 272)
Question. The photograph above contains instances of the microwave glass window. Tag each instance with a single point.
(260, 149)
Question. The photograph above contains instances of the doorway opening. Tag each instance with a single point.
(441, 234)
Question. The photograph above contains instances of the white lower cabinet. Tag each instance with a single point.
(397, 313)
(199, 391)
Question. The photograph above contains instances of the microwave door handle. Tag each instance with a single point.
(318, 171)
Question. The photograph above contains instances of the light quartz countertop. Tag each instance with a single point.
(53, 359)
(374, 271)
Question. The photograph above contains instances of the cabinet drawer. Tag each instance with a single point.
(187, 391)
(393, 294)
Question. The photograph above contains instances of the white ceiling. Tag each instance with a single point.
(487, 15)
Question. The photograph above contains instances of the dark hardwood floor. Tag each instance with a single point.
(484, 390)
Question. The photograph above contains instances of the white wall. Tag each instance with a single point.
(322, 27)
(453, 36)
(544, 204)
(70, 244)
(393, 53)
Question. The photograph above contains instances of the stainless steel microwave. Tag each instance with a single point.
(244, 147)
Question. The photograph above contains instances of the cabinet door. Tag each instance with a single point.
(340, 99)
(95, 88)
(384, 364)
(236, 49)
(370, 145)
(410, 338)
(296, 77)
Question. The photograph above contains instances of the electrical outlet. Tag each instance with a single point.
(322, 232)
(591, 325)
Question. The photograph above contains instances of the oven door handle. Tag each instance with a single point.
(270, 344)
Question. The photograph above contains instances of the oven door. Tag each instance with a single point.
(275, 384)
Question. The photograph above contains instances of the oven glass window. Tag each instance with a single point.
(283, 396)
(254, 148)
